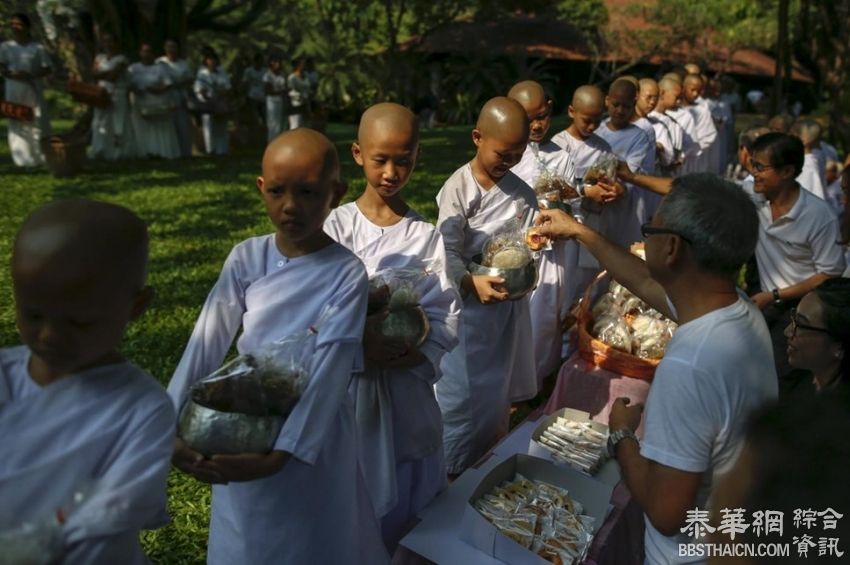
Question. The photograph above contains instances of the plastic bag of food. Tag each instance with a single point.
(507, 248)
(606, 304)
(604, 169)
(395, 291)
(613, 331)
(554, 191)
(266, 382)
(651, 335)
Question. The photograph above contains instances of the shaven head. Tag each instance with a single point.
(84, 239)
(301, 147)
(586, 111)
(676, 77)
(808, 130)
(693, 69)
(538, 107)
(388, 116)
(503, 118)
(647, 96)
(630, 78)
(620, 102)
(692, 88)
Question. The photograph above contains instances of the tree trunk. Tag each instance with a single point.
(781, 49)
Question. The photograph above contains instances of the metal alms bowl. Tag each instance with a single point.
(212, 432)
(409, 323)
(518, 282)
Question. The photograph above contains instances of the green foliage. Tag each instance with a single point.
(196, 210)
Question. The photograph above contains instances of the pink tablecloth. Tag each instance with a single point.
(585, 387)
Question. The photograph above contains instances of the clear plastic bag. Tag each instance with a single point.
(507, 248)
(266, 382)
(395, 291)
(613, 330)
(604, 169)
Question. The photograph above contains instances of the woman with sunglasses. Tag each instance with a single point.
(819, 334)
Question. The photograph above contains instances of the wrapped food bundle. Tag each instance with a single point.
(507, 248)
(394, 290)
(240, 407)
(576, 443)
(605, 168)
(540, 517)
(625, 322)
(554, 191)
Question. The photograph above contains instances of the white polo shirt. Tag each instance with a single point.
(799, 244)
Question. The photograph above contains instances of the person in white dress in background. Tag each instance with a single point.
(153, 127)
(211, 85)
(23, 64)
(274, 82)
(182, 78)
(299, 95)
(112, 136)
(253, 85)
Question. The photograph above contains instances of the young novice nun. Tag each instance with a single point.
(810, 178)
(667, 153)
(632, 145)
(705, 130)
(75, 414)
(23, 64)
(274, 82)
(585, 148)
(305, 501)
(548, 302)
(153, 107)
(111, 136)
(669, 104)
(400, 430)
(495, 336)
(212, 84)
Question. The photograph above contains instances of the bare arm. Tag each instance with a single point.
(793, 292)
(628, 269)
(658, 185)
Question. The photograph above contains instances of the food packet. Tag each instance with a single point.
(507, 248)
(521, 535)
(606, 303)
(554, 191)
(396, 291)
(266, 382)
(604, 169)
(614, 331)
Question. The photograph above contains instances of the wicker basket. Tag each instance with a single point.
(601, 354)
(16, 111)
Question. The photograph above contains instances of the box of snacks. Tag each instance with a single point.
(569, 437)
(529, 511)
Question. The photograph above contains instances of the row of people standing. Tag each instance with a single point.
(276, 97)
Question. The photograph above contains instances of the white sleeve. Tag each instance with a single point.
(217, 325)
(452, 225)
(442, 306)
(679, 424)
(827, 252)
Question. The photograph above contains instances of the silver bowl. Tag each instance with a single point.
(518, 282)
(212, 432)
(409, 324)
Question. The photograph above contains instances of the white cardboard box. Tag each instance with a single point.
(476, 530)
(608, 473)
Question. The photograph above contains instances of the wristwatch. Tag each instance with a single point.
(776, 298)
(616, 437)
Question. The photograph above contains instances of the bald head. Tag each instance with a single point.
(503, 118)
(630, 78)
(388, 117)
(647, 96)
(692, 88)
(693, 69)
(623, 87)
(588, 98)
(672, 76)
(304, 148)
(82, 239)
(528, 93)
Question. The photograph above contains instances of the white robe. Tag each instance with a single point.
(400, 429)
(670, 136)
(809, 178)
(154, 134)
(181, 76)
(690, 145)
(25, 137)
(549, 303)
(210, 86)
(275, 104)
(622, 218)
(494, 361)
(109, 429)
(316, 509)
(112, 134)
(584, 153)
(705, 136)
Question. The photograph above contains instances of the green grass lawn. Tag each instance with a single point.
(196, 209)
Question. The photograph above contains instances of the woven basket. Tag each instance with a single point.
(601, 354)
(16, 111)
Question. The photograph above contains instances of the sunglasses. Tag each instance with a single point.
(646, 230)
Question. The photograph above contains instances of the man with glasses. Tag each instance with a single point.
(717, 368)
(797, 246)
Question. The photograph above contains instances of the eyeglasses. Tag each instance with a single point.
(795, 325)
(646, 230)
(760, 167)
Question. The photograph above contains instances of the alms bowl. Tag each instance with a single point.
(408, 323)
(518, 282)
(212, 432)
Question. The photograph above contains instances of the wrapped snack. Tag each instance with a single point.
(606, 303)
(575, 443)
(395, 290)
(535, 240)
(553, 190)
(651, 335)
(614, 331)
(605, 168)
(507, 248)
